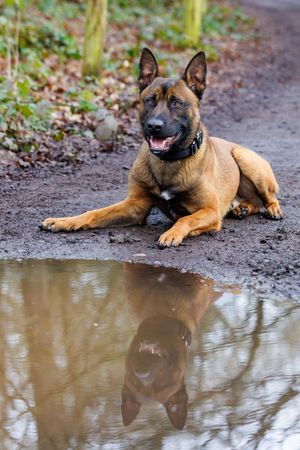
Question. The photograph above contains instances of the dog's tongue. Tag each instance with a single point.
(162, 143)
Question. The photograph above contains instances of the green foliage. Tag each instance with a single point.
(151, 19)
(38, 38)
(61, 10)
(223, 20)
(47, 38)
(84, 101)
(26, 40)
(21, 113)
(34, 32)
(163, 20)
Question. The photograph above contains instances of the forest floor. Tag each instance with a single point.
(259, 109)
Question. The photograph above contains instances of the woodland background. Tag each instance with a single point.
(47, 91)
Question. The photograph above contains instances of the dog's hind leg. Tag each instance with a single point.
(257, 172)
(244, 209)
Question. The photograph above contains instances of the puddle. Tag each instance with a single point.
(78, 339)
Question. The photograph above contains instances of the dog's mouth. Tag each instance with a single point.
(162, 144)
(149, 347)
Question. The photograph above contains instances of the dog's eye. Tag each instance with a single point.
(149, 100)
(176, 103)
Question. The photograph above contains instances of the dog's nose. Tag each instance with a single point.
(155, 125)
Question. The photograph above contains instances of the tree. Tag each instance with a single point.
(94, 37)
(194, 11)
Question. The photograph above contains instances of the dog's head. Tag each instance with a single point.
(155, 368)
(169, 108)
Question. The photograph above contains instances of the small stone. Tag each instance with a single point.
(117, 239)
(8, 157)
(258, 268)
(89, 134)
(101, 114)
(106, 128)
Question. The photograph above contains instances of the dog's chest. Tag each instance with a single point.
(171, 203)
(167, 194)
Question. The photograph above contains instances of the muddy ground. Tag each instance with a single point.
(255, 252)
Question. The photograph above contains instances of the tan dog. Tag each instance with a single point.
(194, 179)
(168, 307)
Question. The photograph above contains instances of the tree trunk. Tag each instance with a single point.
(194, 11)
(94, 37)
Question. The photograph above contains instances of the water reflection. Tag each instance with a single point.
(169, 306)
(65, 331)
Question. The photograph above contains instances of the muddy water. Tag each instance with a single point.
(89, 346)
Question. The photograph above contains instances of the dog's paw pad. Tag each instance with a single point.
(46, 225)
(170, 239)
(274, 212)
(240, 212)
(56, 224)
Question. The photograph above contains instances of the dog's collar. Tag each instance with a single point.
(181, 153)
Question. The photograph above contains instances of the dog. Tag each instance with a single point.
(194, 179)
(168, 307)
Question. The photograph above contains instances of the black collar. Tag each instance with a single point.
(181, 153)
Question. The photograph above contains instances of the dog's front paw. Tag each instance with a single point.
(59, 224)
(274, 212)
(170, 238)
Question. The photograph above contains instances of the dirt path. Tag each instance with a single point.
(255, 252)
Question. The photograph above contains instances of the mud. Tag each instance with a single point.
(255, 252)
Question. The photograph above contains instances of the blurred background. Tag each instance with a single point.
(64, 64)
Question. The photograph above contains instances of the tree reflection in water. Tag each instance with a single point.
(66, 328)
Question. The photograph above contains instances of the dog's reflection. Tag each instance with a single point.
(168, 306)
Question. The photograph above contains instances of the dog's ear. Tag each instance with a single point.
(176, 408)
(130, 407)
(195, 74)
(148, 69)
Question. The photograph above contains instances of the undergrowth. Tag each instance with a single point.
(41, 41)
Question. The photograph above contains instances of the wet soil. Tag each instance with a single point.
(254, 252)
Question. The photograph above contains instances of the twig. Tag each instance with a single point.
(17, 37)
(8, 54)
